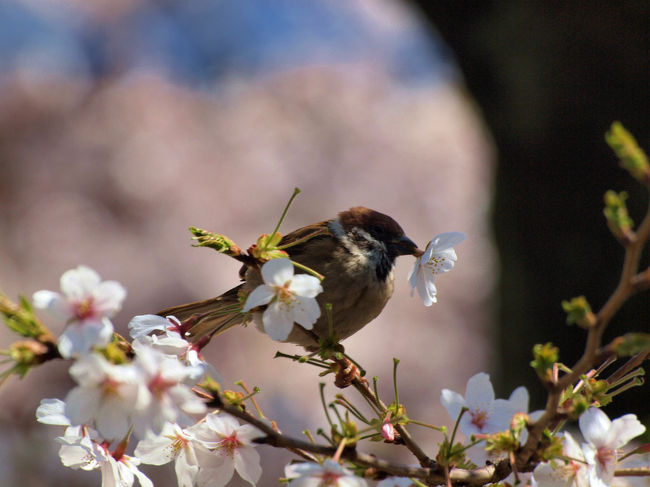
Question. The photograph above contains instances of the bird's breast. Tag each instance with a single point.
(356, 294)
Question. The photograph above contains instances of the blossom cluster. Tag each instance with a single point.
(149, 396)
(481, 414)
(593, 463)
(590, 465)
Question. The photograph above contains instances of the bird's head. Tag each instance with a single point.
(373, 235)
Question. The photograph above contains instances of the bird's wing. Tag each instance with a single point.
(213, 316)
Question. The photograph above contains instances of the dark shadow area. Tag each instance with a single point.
(550, 77)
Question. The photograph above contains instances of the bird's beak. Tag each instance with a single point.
(405, 246)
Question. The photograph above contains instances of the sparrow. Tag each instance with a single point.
(355, 252)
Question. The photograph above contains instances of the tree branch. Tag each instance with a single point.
(627, 286)
(633, 472)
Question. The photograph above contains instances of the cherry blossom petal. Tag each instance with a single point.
(112, 420)
(81, 403)
(89, 370)
(624, 429)
(479, 390)
(246, 433)
(55, 303)
(261, 295)
(277, 271)
(278, 321)
(80, 338)
(306, 286)
(111, 475)
(171, 344)
(519, 399)
(427, 291)
(186, 400)
(79, 283)
(109, 296)
(224, 424)
(247, 464)
(547, 476)
(452, 402)
(214, 471)
(414, 275)
(594, 425)
(185, 472)
(571, 447)
(306, 312)
(142, 478)
(447, 240)
(156, 449)
(52, 411)
(143, 325)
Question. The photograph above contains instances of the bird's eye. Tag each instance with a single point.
(377, 229)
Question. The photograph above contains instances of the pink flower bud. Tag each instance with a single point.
(388, 430)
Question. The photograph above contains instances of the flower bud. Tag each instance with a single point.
(215, 241)
(632, 158)
(544, 357)
(578, 311)
(615, 211)
(388, 430)
(519, 421)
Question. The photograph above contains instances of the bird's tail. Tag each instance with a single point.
(211, 316)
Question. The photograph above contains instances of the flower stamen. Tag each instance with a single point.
(479, 418)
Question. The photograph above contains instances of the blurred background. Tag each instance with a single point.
(124, 122)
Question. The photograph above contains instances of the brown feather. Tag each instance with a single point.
(214, 316)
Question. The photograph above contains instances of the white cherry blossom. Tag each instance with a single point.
(604, 437)
(106, 395)
(485, 414)
(166, 335)
(83, 448)
(80, 451)
(560, 473)
(592, 465)
(330, 474)
(85, 305)
(163, 395)
(227, 447)
(76, 439)
(290, 298)
(173, 444)
(439, 257)
(77, 448)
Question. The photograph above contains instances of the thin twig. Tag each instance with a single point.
(361, 385)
